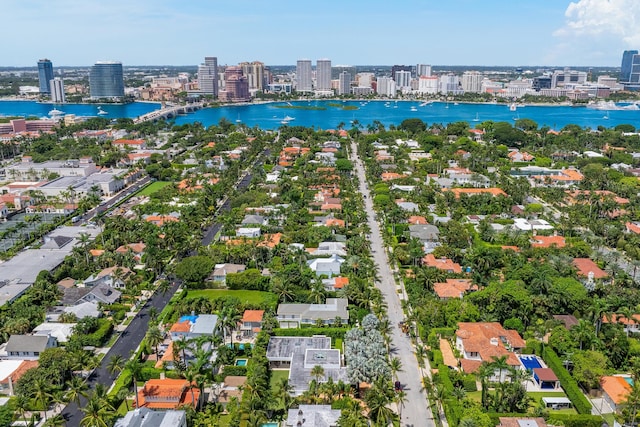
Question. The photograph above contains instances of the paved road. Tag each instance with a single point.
(129, 341)
(416, 411)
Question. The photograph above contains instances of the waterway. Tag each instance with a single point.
(329, 114)
(37, 109)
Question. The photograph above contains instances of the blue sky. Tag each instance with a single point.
(453, 32)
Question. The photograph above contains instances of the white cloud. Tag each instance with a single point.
(614, 20)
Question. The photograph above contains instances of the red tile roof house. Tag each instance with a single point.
(168, 394)
(615, 391)
(587, 269)
(441, 264)
(483, 342)
(132, 143)
(453, 288)
(628, 325)
(251, 322)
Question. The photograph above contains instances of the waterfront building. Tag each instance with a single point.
(323, 75)
(397, 68)
(386, 86)
(607, 81)
(106, 80)
(423, 70)
(344, 87)
(254, 72)
(365, 79)
(560, 78)
(57, 91)
(472, 81)
(428, 85)
(236, 86)
(45, 75)
(635, 69)
(208, 76)
(627, 61)
(402, 79)
(518, 88)
(450, 84)
(303, 75)
(541, 82)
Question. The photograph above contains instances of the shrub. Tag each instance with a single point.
(573, 420)
(437, 358)
(232, 370)
(570, 386)
(469, 383)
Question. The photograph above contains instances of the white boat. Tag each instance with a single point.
(424, 103)
(55, 112)
(101, 112)
(289, 118)
(606, 116)
(455, 103)
(238, 119)
(414, 109)
(477, 119)
(512, 107)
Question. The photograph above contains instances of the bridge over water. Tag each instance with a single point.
(169, 112)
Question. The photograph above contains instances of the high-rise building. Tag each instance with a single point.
(236, 85)
(45, 75)
(386, 86)
(57, 90)
(450, 84)
(472, 81)
(625, 69)
(428, 84)
(208, 76)
(106, 80)
(323, 74)
(365, 79)
(560, 78)
(303, 75)
(423, 70)
(403, 79)
(396, 68)
(634, 77)
(344, 87)
(254, 72)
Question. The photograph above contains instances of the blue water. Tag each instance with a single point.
(629, 380)
(268, 116)
(530, 362)
(190, 318)
(270, 425)
(241, 362)
(32, 108)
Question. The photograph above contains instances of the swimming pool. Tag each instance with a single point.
(530, 362)
(629, 380)
(190, 318)
(241, 362)
(270, 425)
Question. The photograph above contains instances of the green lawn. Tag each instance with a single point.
(245, 297)
(153, 187)
(276, 374)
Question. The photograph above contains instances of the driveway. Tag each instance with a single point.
(416, 411)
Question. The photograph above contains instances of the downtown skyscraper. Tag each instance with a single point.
(106, 80)
(208, 76)
(627, 65)
(323, 74)
(45, 75)
(303, 75)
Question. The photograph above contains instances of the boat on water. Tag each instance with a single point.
(289, 118)
(513, 107)
(55, 112)
(477, 118)
(101, 112)
(425, 103)
(238, 119)
(606, 116)
(413, 108)
(455, 103)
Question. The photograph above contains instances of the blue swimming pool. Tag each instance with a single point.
(629, 380)
(530, 362)
(270, 425)
(190, 318)
(241, 362)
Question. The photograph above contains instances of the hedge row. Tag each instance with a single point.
(570, 386)
(573, 420)
(452, 407)
(230, 370)
(436, 333)
(335, 333)
(97, 338)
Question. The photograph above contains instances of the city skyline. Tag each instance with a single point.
(459, 32)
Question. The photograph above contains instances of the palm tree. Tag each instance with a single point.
(135, 368)
(317, 292)
(229, 318)
(317, 372)
(191, 376)
(95, 414)
(154, 337)
(500, 364)
(582, 332)
(256, 419)
(396, 366)
(116, 364)
(283, 391)
(400, 399)
(42, 393)
(76, 388)
(379, 412)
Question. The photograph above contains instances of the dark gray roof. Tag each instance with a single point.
(30, 343)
